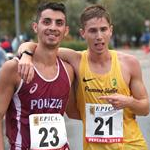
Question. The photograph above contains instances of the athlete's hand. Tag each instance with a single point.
(118, 101)
(27, 46)
(25, 68)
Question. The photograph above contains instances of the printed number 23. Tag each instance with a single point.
(45, 144)
(101, 124)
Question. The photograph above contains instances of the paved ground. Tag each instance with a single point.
(74, 128)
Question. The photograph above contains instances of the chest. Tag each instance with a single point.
(41, 96)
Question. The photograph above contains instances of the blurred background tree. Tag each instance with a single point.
(128, 16)
(92, 1)
(74, 9)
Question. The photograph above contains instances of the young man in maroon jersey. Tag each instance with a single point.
(34, 111)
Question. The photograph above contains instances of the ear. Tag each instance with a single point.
(111, 29)
(66, 31)
(34, 27)
(82, 33)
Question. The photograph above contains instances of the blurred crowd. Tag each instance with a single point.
(145, 39)
(141, 42)
(9, 46)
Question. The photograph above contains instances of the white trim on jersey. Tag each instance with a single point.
(18, 116)
(49, 80)
(19, 87)
(16, 58)
(66, 72)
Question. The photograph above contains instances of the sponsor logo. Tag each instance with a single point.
(33, 88)
(46, 103)
(36, 120)
(92, 110)
(103, 91)
(114, 82)
(86, 80)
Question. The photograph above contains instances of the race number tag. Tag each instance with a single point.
(104, 124)
(47, 131)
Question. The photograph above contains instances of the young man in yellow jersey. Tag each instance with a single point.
(110, 91)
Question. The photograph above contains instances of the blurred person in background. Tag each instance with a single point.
(145, 40)
(3, 57)
(6, 44)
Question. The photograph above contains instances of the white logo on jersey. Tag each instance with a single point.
(46, 103)
(33, 88)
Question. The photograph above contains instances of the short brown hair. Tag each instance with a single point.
(50, 5)
(94, 11)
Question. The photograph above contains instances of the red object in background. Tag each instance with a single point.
(5, 45)
(146, 48)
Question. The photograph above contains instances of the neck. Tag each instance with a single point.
(45, 56)
(99, 58)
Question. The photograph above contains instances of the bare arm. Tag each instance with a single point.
(72, 110)
(69, 55)
(29, 46)
(25, 66)
(66, 54)
(7, 87)
(138, 102)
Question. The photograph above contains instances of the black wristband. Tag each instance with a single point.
(27, 52)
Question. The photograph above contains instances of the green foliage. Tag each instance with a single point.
(75, 44)
(74, 9)
(6, 16)
(92, 1)
(128, 16)
(27, 11)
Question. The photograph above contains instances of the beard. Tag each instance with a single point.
(50, 39)
(51, 45)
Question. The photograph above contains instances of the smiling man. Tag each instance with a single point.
(46, 96)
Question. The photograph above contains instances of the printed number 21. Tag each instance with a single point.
(45, 144)
(101, 124)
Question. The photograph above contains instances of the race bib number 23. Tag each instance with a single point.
(47, 131)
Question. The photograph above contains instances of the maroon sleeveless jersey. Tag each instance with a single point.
(39, 96)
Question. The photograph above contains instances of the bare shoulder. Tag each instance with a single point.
(129, 60)
(129, 64)
(9, 70)
(9, 82)
(10, 65)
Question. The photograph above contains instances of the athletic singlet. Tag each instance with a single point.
(39, 96)
(91, 86)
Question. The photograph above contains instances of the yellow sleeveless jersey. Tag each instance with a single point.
(91, 86)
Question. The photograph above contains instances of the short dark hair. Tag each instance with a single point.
(94, 11)
(50, 5)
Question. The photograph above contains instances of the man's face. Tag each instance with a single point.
(97, 33)
(51, 28)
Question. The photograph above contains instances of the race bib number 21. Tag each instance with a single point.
(104, 124)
